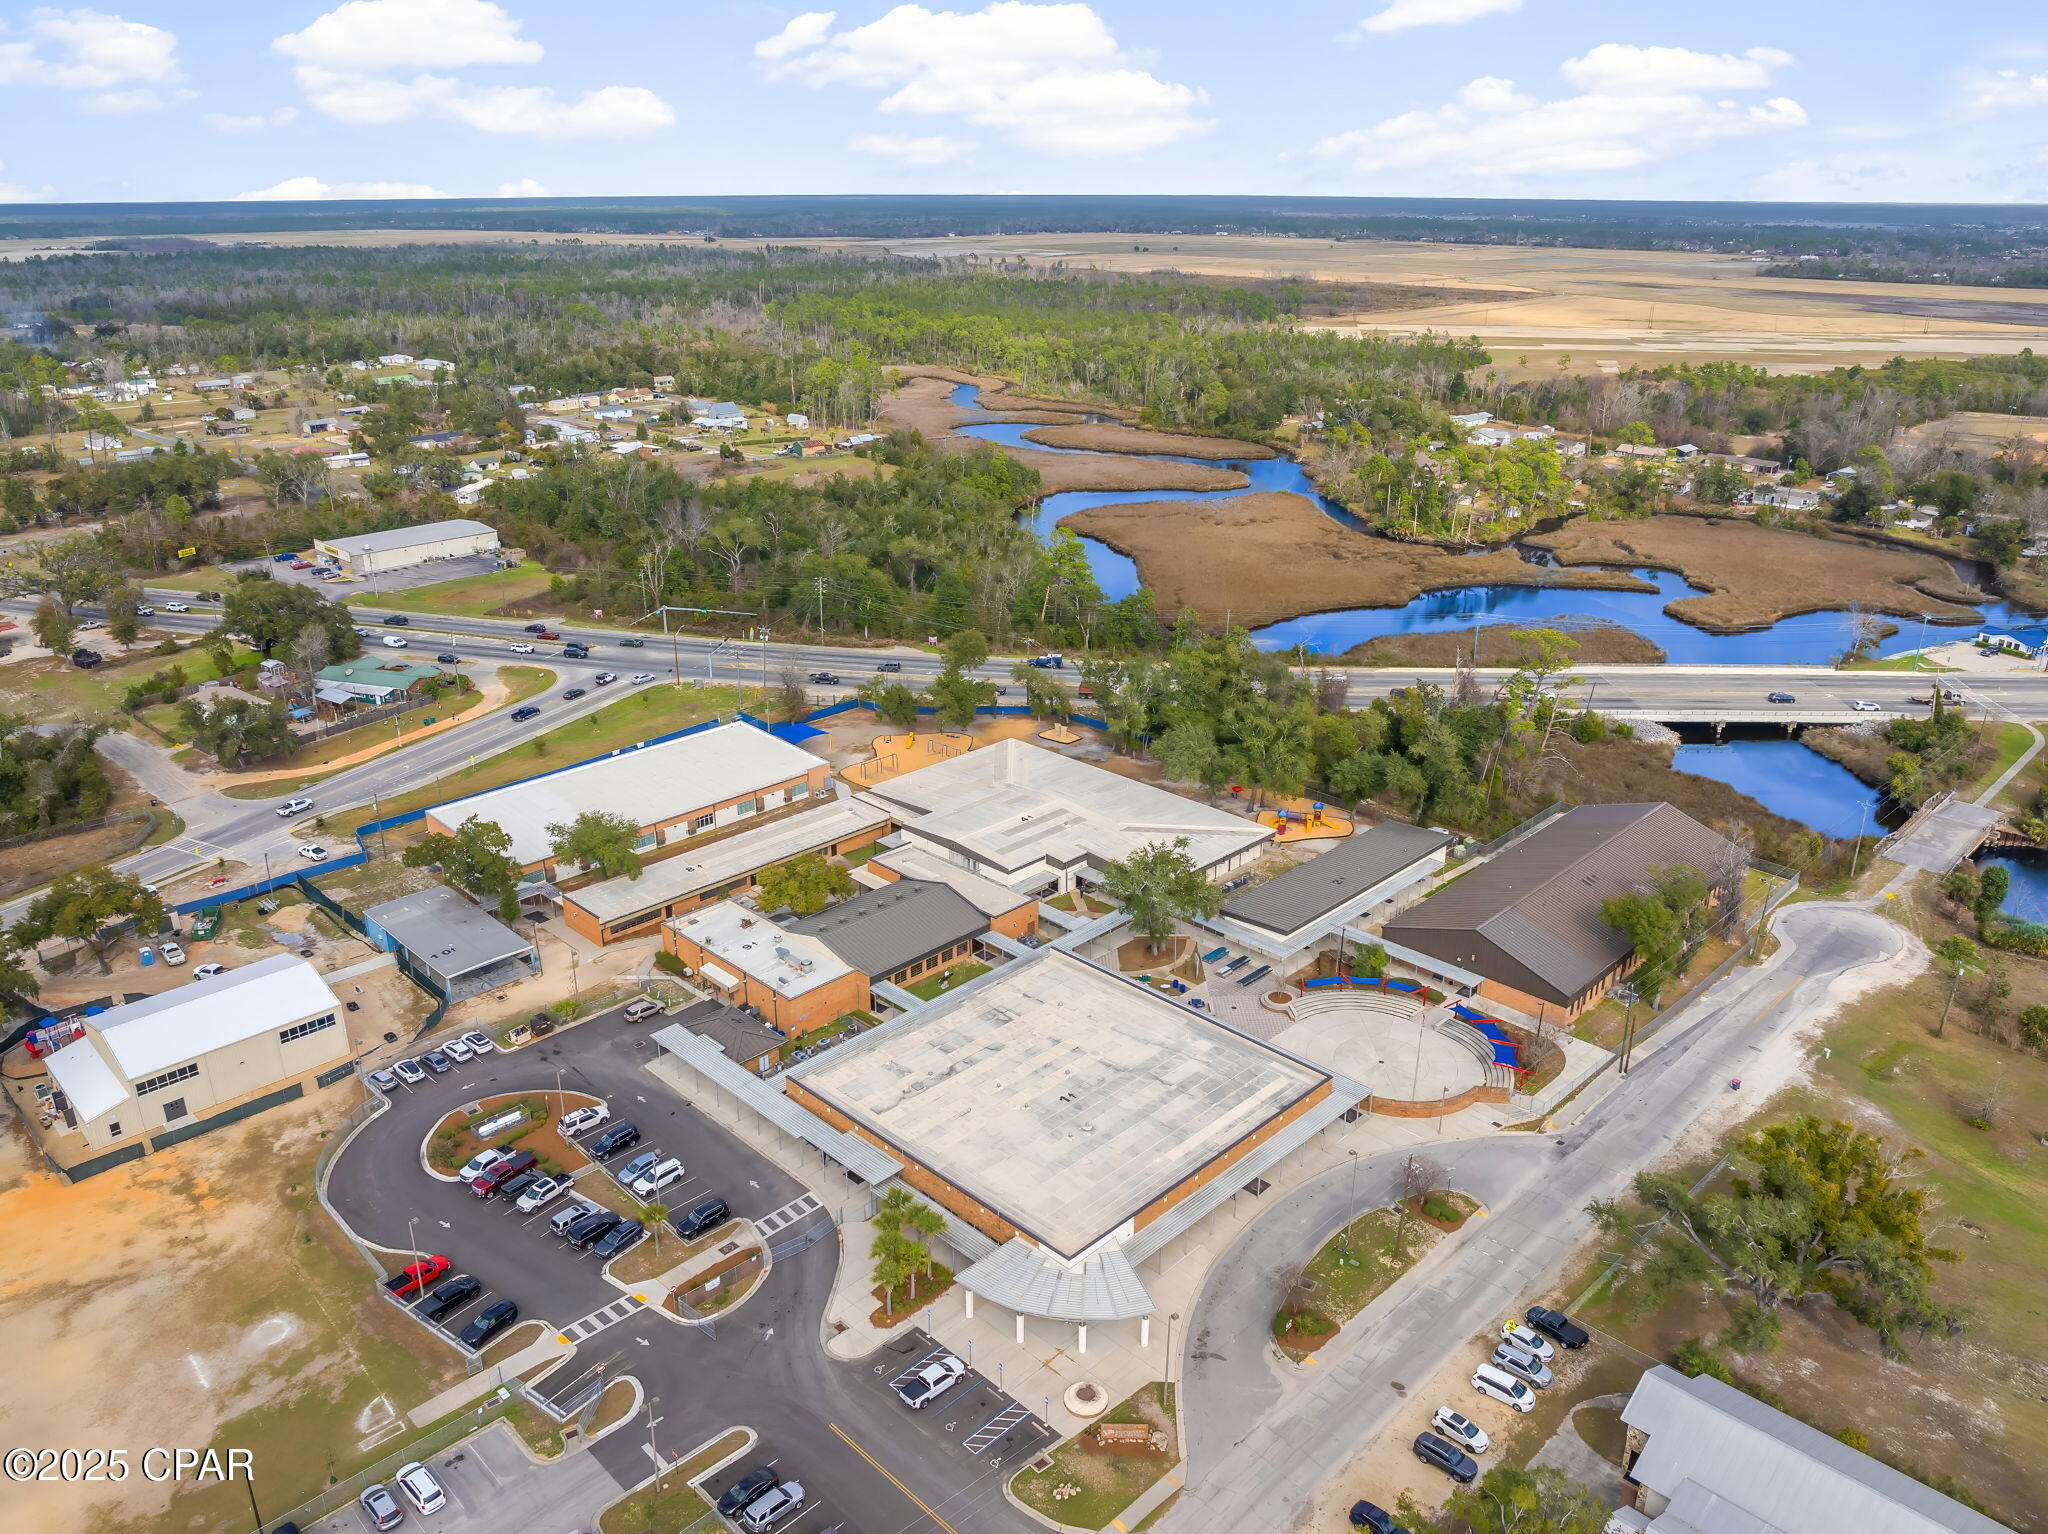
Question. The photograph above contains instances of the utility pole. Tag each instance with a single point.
(1401, 1224)
(818, 591)
(764, 670)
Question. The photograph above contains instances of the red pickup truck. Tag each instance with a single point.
(412, 1280)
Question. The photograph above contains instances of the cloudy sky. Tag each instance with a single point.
(159, 101)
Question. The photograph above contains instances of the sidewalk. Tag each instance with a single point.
(484, 1381)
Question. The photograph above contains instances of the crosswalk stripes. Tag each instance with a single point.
(598, 1320)
(796, 1209)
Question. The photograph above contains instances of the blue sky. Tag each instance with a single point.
(1790, 100)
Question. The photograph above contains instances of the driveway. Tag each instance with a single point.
(495, 1475)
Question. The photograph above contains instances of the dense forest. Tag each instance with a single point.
(1968, 266)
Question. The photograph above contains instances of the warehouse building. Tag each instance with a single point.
(673, 791)
(402, 547)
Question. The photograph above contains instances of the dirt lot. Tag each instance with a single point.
(1758, 575)
(125, 1329)
(1285, 558)
(1131, 439)
(1491, 645)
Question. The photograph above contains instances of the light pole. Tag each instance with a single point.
(1351, 1207)
(1171, 1317)
(412, 1239)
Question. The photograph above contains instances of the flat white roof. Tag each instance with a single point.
(648, 785)
(733, 857)
(1010, 804)
(408, 537)
(193, 1019)
(914, 862)
(787, 962)
(88, 1081)
(1062, 1097)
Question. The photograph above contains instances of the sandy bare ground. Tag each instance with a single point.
(1257, 559)
(1131, 439)
(1758, 575)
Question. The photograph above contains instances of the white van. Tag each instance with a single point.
(645, 1007)
(1490, 1380)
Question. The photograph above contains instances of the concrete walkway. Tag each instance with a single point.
(1570, 1453)
(484, 1381)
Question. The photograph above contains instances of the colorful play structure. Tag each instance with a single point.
(1506, 1051)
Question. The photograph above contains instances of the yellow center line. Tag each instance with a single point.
(863, 1453)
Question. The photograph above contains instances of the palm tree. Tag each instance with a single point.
(654, 1216)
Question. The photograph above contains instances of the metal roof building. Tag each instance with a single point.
(1709, 1459)
(886, 929)
(397, 547)
(464, 946)
(1312, 900)
(1529, 918)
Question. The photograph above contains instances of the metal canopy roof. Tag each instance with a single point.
(1025, 1278)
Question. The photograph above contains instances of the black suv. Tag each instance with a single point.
(1374, 1519)
(747, 1488)
(398, 621)
(618, 1238)
(615, 1139)
(451, 1296)
(593, 1227)
(521, 715)
(709, 1215)
(493, 1319)
(1447, 1457)
(85, 660)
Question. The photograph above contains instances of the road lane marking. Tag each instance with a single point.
(863, 1453)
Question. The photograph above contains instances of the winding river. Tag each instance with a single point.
(1808, 638)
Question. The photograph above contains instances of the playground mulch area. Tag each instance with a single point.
(1303, 820)
(894, 755)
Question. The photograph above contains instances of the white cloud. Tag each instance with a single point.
(1400, 15)
(411, 34)
(1048, 77)
(525, 186)
(933, 150)
(2006, 88)
(312, 189)
(347, 56)
(252, 122)
(115, 62)
(14, 191)
(1636, 106)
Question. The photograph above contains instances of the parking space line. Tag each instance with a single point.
(840, 1433)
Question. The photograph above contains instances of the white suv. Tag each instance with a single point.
(293, 807)
(1489, 1380)
(777, 1502)
(577, 1120)
(420, 1487)
(667, 1174)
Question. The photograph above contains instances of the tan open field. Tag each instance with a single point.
(1599, 308)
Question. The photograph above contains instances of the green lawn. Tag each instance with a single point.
(2011, 741)
(936, 985)
(1105, 1484)
(1897, 663)
(471, 596)
(205, 578)
(56, 689)
(654, 710)
(833, 1029)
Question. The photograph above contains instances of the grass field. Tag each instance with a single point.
(654, 710)
(472, 596)
(1107, 1483)
(56, 689)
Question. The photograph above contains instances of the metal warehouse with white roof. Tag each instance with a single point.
(399, 547)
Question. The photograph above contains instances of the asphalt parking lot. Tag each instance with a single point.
(974, 1420)
(819, 1510)
(432, 573)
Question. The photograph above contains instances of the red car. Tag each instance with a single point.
(493, 1178)
(547, 634)
(302, 564)
(417, 1277)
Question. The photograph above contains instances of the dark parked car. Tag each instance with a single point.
(451, 1296)
(746, 1488)
(493, 1319)
(1374, 1519)
(398, 621)
(592, 1228)
(1557, 1326)
(617, 1239)
(615, 1139)
(707, 1216)
(521, 715)
(436, 1062)
(509, 1191)
(573, 692)
(1447, 1457)
(448, 658)
(541, 1024)
(85, 660)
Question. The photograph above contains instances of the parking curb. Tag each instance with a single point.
(696, 1480)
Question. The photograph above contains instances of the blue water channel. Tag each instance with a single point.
(1809, 638)
(2028, 896)
(1789, 780)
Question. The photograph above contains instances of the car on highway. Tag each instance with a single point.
(294, 807)
(1528, 1339)
(208, 971)
(479, 1043)
(380, 1507)
(482, 1162)
(615, 1139)
(890, 665)
(420, 1487)
(633, 642)
(538, 1192)
(574, 650)
(1865, 706)
(1461, 1430)
(546, 633)
(824, 679)
(1526, 1367)
(1446, 1456)
(604, 678)
(448, 658)
(573, 692)
(1780, 697)
(436, 1062)
(617, 1239)
(929, 1380)
(773, 1505)
(144, 610)
(362, 633)
(1503, 1387)
(313, 854)
(521, 647)
(703, 1218)
(1374, 1519)
(451, 1296)
(490, 1321)
(577, 1120)
(521, 715)
(177, 607)
(640, 677)
(417, 1277)
(746, 1489)
(408, 1071)
(592, 1228)
(1557, 1326)
(395, 642)
(396, 620)
(457, 1051)
(655, 1178)
(536, 628)
(384, 1081)
(170, 952)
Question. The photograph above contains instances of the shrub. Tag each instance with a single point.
(669, 964)
(1440, 1209)
(1858, 1441)
(1696, 1356)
